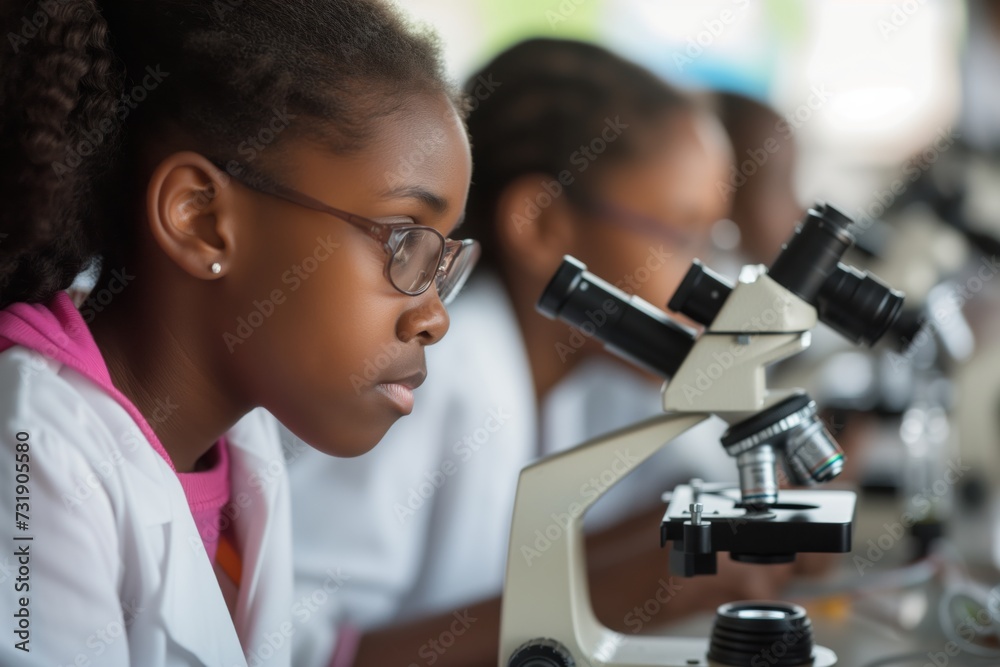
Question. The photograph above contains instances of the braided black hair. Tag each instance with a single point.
(74, 76)
(535, 104)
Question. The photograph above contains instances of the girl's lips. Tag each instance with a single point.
(400, 395)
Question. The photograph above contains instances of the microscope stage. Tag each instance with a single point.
(802, 521)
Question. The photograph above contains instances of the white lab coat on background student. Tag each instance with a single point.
(117, 572)
(420, 524)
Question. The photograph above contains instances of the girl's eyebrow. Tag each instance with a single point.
(436, 202)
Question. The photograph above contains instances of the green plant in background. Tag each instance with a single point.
(506, 22)
(787, 18)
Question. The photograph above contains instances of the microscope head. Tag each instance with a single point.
(767, 316)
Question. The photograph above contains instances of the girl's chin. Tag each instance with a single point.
(344, 450)
(366, 424)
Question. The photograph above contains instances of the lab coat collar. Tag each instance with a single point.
(187, 569)
(160, 506)
(259, 510)
(263, 533)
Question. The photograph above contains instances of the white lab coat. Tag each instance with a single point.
(420, 524)
(117, 571)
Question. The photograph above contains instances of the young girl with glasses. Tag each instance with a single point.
(264, 191)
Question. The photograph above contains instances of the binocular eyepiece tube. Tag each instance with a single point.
(856, 304)
(628, 326)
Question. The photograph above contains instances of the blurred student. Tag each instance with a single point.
(762, 183)
(575, 151)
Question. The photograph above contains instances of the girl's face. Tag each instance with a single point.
(675, 190)
(319, 336)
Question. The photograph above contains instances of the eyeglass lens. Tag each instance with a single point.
(415, 261)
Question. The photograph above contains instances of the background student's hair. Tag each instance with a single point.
(71, 132)
(554, 96)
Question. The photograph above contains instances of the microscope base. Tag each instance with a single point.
(631, 651)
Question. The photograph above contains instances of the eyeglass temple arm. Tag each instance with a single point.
(380, 231)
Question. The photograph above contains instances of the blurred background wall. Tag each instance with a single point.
(863, 84)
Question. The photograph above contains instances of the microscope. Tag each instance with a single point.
(547, 619)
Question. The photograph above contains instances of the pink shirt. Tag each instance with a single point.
(57, 330)
(207, 493)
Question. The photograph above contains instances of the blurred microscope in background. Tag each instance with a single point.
(927, 419)
(952, 214)
(936, 434)
(921, 428)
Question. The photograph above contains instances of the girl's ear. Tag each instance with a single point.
(190, 206)
(534, 225)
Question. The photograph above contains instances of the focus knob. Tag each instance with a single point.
(541, 653)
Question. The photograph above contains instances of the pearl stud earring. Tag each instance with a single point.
(216, 268)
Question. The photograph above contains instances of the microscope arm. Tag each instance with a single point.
(546, 594)
(546, 556)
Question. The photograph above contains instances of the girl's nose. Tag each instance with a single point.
(427, 320)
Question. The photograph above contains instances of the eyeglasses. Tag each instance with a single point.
(418, 255)
(619, 216)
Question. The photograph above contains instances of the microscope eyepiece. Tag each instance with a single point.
(854, 303)
(701, 294)
(628, 326)
(858, 305)
(561, 287)
(813, 252)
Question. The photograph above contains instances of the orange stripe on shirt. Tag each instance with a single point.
(228, 558)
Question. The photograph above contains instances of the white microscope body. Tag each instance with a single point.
(547, 619)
